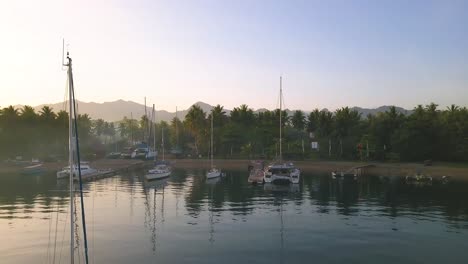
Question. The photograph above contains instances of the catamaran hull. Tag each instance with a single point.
(292, 178)
(66, 174)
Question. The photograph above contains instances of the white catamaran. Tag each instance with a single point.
(213, 172)
(84, 168)
(281, 171)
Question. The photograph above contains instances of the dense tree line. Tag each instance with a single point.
(427, 133)
(44, 135)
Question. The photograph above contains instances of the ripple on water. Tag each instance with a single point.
(231, 220)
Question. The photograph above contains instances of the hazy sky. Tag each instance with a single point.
(330, 53)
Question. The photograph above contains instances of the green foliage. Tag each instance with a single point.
(427, 133)
(298, 120)
(39, 135)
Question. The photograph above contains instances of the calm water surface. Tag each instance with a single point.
(186, 219)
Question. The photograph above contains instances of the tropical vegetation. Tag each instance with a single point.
(427, 133)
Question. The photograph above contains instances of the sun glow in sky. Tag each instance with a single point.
(330, 53)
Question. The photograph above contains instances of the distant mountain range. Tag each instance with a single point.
(115, 111)
(366, 111)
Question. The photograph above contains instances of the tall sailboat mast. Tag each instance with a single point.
(145, 138)
(74, 164)
(131, 127)
(177, 128)
(211, 151)
(162, 141)
(70, 156)
(281, 127)
(154, 134)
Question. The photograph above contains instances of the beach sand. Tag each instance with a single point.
(459, 171)
(325, 167)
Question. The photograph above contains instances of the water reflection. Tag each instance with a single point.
(211, 185)
(188, 211)
(150, 189)
(22, 195)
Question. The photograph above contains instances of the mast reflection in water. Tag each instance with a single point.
(189, 219)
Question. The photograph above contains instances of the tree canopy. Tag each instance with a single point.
(427, 133)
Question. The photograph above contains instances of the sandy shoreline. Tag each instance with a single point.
(114, 164)
(385, 169)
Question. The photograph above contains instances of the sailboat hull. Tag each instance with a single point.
(157, 175)
(213, 174)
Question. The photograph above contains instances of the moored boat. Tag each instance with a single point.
(281, 172)
(213, 172)
(158, 172)
(256, 172)
(162, 169)
(33, 169)
(84, 168)
(143, 151)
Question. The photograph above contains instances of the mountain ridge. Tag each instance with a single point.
(116, 110)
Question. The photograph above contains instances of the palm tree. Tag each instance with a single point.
(325, 127)
(47, 114)
(452, 108)
(298, 120)
(144, 127)
(62, 118)
(99, 127)
(195, 121)
(219, 115)
(243, 115)
(85, 126)
(219, 121)
(313, 120)
(28, 114)
(9, 129)
(10, 114)
(346, 120)
(175, 136)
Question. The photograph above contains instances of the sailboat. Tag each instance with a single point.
(74, 165)
(160, 170)
(143, 150)
(281, 171)
(213, 172)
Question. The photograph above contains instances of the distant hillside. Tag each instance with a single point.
(366, 111)
(115, 111)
